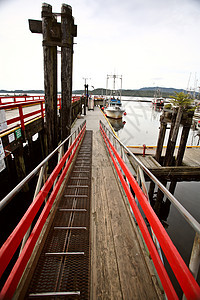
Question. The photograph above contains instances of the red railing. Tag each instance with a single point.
(74, 99)
(12, 243)
(24, 117)
(186, 280)
(17, 99)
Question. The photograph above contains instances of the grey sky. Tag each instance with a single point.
(149, 42)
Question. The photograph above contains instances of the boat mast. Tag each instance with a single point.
(112, 92)
(121, 89)
(114, 77)
(107, 86)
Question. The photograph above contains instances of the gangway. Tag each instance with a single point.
(70, 207)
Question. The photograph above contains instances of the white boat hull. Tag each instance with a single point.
(114, 112)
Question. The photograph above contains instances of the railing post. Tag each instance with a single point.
(42, 111)
(37, 189)
(144, 148)
(195, 256)
(21, 117)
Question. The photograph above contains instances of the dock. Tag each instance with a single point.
(119, 268)
(90, 246)
(188, 171)
(80, 232)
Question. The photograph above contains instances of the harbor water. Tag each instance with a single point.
(141, 126)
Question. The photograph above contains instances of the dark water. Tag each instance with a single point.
(142, 127)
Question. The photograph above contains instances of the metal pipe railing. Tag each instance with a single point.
(188, 217)
(20, 185)
(11, 245)
(186, 280)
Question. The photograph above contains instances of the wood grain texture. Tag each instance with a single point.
(118, 267)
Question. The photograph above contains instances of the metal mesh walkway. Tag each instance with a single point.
(63, 268)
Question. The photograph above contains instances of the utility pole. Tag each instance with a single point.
(86, 95)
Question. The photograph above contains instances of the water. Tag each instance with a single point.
(142, 127)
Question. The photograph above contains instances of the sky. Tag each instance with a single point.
(148, 42)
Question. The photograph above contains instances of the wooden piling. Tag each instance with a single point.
(20, 166)
(163, 126)
(50, 76)
(177, 118)
(66, 69)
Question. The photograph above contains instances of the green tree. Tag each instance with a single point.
(181, 100)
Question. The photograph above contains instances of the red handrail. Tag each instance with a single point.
(22, 118)
(7, 99)
(10, 246)
(16, 99)
(186, 280)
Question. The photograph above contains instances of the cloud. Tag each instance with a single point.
(141, 39)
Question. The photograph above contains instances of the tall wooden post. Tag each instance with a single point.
(163, 126)
(50, 76)
(182, 146)
(66, 69)
(56, 34)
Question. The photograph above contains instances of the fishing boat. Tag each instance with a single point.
(114, 107)
(158, 100)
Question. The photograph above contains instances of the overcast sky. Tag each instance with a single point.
(148, 42)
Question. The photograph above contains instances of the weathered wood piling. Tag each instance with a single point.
(175, 118)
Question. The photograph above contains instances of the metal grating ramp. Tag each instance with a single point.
(63, 269)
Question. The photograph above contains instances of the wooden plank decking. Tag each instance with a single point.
(189, 170)
(120, 267)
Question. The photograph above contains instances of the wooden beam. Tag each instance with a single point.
(177, 173)
(35, 26)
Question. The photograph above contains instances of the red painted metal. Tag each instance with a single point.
(186, 280)
(10, 246)
(144, 148)
(14, 99)
(17, 99)
(24, 116)
(21, 117)
(167, 285)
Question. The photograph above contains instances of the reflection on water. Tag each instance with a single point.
(142, 125)
(117, 124)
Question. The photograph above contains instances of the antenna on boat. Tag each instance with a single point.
(114, 82)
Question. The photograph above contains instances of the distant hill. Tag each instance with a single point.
(22, 91)
(143, 92)
(162, 89)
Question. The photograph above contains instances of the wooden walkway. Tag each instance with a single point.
(120, 267)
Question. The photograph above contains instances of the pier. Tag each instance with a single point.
(188, 171)
(120, 268)
(78, 218)
(91, 228)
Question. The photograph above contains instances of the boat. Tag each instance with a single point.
(158, 100)
(114, 107)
